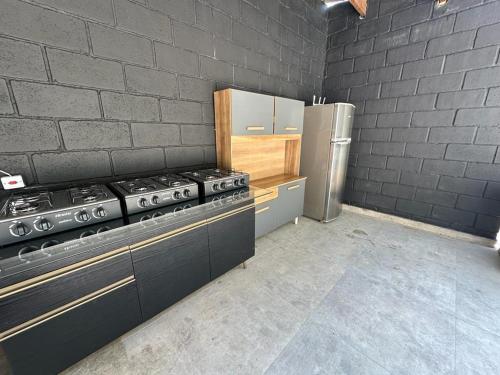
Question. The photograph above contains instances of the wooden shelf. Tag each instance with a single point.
(275, 181)
(264, 195)
(263, 156)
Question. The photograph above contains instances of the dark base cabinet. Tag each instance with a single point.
(52, 325)
(232, 241)
(169, 269)
(59, 342)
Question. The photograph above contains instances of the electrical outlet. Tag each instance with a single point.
(12, 182)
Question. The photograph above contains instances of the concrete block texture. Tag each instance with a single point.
(426, 84)
(141, 20)
(5, 104)
(145, 134)
(151, 81)
(119, 45)
(81, 165)
(122, 77)
(82, 70)
(18, 135)
(81, 135)
(138, 160)
(26, 21)
(34, 99)
(129, 107)
(21, 60)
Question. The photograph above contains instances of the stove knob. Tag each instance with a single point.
(155, 200)
(87, 233)
(223, 185)
(45, 225)
(187, 193)
(242, 181)
(157, 214)
(215, 187)
(143, 202)
(49, 243)
(100, 212)
(20, 230)
(83, 216)
(236, 182)
(177, 195)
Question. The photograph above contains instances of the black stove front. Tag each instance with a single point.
(143, 194)
(216, 181)
(34, 213)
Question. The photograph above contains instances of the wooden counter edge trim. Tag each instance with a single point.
(63, 309)
(64, 271)
(231, 213)
(295, 178)
(172, 233)
(223, 127)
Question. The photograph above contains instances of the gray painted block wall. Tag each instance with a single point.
(102, 88)
(426, 83)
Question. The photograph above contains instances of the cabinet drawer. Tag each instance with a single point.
(265, 220)
(65, 338)
(169, 269)
(252, 114)
(290, 202)
(289, 116)
(29, 300)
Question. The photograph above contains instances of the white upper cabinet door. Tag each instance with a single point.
(252, 114)
(289, 116)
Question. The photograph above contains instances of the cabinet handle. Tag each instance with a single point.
(64, 309)
(293, 187)
(65, 271)
(255, 128)
(152, 241)
(262, 210)
(291, 128)
(230, 213)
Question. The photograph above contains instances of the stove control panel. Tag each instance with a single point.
(160, 198)
(40, 224)
(225, 184)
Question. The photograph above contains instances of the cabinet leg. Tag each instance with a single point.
(296, 220)
(244, 265)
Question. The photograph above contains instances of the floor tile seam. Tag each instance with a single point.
(352, 266)
(415, 299)
(348, 342)
(306, 319)
(478, 327)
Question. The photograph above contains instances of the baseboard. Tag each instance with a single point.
(445, 232)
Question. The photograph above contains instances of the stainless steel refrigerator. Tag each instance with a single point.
(325, 151)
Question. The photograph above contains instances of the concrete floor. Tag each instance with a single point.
(356, 296)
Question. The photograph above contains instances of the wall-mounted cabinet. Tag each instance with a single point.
(266, 144)
(251, 114)
(289, 116)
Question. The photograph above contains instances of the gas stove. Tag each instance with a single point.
(29, 213)
(216, 181)
(142, 194)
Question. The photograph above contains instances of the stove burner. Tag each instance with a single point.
(30, 197)
(90, 198)
(139, 188)
(24, 207)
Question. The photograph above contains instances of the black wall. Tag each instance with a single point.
(427, 130)
(102, 88)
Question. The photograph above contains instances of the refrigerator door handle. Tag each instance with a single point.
(342, 141)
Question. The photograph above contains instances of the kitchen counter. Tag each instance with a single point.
(16, 269)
